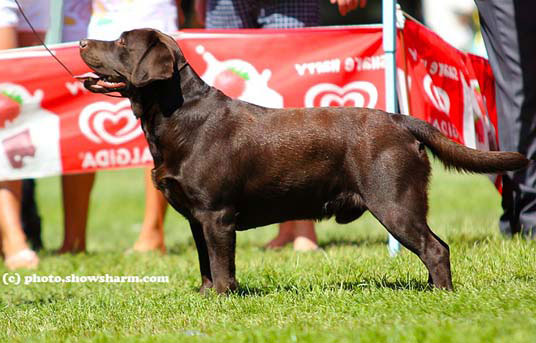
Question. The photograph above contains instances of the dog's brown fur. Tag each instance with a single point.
(228, 165)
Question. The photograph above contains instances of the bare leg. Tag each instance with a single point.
(13, 241)
(13, 238)
(76, 194)
(8, 38)
(304, 235)
(284, 236)
(152, 231)
(300, 232)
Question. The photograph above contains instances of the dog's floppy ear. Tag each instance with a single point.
(157, 63)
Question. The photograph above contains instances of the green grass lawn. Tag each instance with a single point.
(350, 291)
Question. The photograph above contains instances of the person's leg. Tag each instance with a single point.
(509, 220)
(284, 236)
(8, 38)
(151, 237)
(29, 215)
(526, 29)
(76, 194)
(14, 247)
(31, 222)
(13, 241)
(299, 232)
(304, 235)
(508, 30)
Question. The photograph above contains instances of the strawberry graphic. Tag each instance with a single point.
(232, 82)
(9, 107)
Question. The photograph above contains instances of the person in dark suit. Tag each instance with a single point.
(509, 32)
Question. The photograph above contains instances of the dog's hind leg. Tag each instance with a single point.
(220, 236)
(396, 194)
(409, 227)
(202, 253)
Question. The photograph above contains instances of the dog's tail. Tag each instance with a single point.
(460, 157)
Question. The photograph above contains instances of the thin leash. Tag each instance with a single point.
(49, 51)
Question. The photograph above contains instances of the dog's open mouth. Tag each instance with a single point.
(102, 83)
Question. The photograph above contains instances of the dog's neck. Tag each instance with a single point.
(166, 97)
(193, 88)
(168, 103)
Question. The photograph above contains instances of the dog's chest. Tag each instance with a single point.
(176, 192)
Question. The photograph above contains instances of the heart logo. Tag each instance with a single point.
(112, 123)
(354, 94)
(438, 96)
(348, 100)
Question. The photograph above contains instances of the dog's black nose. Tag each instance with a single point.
(83, 43)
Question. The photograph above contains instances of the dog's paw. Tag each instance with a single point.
(206, 287)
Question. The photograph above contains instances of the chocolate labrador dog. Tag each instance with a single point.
(229, 165)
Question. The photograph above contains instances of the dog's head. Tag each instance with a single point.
(134, 60)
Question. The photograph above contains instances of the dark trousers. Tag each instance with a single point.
(509, 31)
(31, 221)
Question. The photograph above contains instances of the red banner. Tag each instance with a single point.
(49, 124)
(445, 87)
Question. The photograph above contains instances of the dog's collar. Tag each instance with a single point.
(181, 67)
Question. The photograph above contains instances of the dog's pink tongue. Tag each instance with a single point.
(108, 84)
(87, 76)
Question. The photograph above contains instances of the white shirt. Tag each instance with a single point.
(111, 17)
(37, 11)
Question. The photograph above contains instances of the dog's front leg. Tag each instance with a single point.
(220, 236)
(202, 252)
